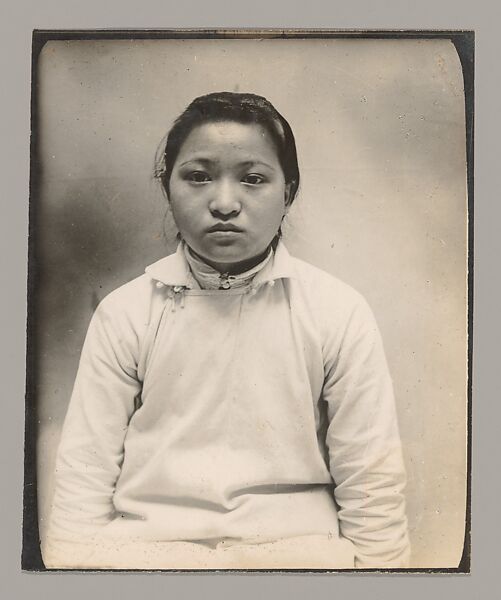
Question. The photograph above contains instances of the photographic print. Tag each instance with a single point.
(249, 301)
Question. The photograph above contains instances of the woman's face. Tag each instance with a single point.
(227, 192)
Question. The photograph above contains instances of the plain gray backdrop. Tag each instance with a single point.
(18, 20)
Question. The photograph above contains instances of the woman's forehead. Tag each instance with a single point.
(226, 139)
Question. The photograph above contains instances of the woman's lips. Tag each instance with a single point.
(224, 229)
(224, 234)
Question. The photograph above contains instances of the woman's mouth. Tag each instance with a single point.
(224, 229)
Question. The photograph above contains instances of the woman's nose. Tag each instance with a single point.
(224, 202)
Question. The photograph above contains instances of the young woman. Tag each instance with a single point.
(233, 407)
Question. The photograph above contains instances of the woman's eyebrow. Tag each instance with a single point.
(203, 161)
(251, 163)
(207, 162)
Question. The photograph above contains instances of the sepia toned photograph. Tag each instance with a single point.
(249, 316)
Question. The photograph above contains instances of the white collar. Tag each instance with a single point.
(173, 270)
(209, 278)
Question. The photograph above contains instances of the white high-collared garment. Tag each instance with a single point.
(231, 418)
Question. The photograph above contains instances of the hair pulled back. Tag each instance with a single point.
(231, 106)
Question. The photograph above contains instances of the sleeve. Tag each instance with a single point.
(90, 453)
(364, 444)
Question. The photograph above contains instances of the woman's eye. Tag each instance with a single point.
(198, 177)
(253, 179)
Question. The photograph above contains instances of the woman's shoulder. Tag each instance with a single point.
(325, 286)
(131, 300)
(333, 302)
(136, 289)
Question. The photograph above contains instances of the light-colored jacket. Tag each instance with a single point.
(245, 416)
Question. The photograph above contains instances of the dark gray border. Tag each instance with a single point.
(20, 19)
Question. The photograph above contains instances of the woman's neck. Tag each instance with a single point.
(234, 268)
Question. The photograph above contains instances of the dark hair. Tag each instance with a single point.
(231, 106)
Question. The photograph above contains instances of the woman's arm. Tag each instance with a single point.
(364, 445)
(90, 453)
